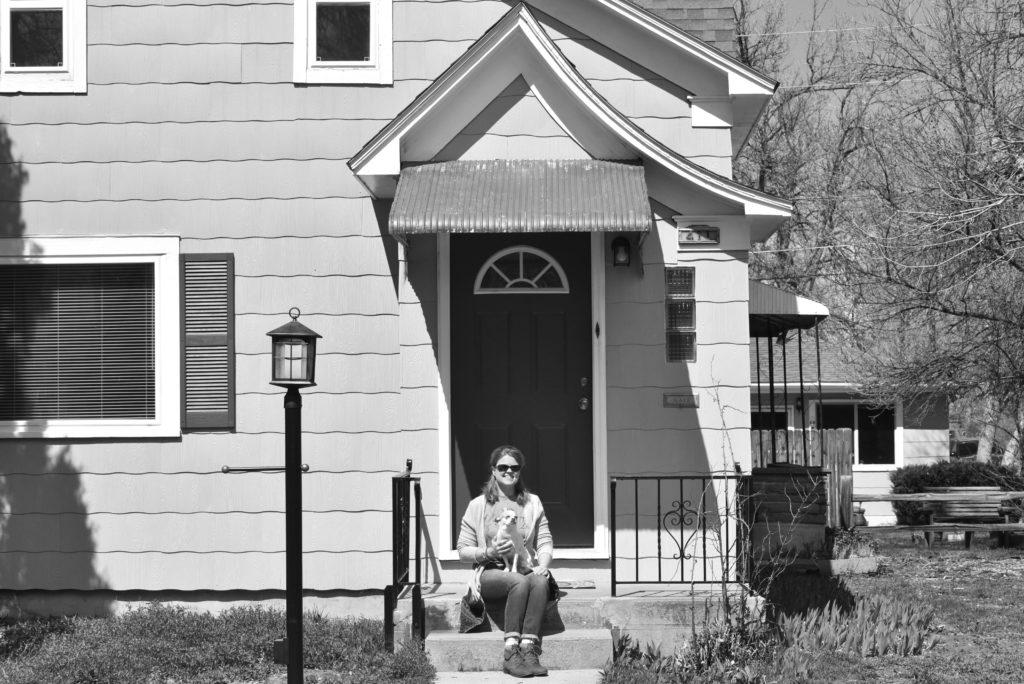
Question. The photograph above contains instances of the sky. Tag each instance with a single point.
(848, 18)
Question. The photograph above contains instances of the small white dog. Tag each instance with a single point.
(507, 529)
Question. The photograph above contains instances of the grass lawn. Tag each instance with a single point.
(978, 599)
(968, 605)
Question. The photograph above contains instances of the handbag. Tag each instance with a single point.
(472, 611)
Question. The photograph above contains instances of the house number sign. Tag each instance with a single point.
(680, 401)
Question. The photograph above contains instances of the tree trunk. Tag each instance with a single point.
(1012, 453)
(990, 420)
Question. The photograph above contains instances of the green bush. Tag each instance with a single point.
(914, 479)
(159, 643)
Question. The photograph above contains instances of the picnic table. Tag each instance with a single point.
(999, 522)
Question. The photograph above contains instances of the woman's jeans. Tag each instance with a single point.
(525, 596)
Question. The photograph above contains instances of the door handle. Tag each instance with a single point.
(583, 403)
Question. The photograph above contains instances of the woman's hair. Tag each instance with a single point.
(491, 489)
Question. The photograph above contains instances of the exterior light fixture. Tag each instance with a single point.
(293, 354)
(293, 365)
(620, 251)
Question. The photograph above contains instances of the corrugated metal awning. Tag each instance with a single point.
(521, 196)
(773, 311)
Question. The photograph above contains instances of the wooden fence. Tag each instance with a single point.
(830, 450)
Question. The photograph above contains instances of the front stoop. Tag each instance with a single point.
(573, 649)
(578, 633)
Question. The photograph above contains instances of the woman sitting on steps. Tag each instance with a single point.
(525, 589)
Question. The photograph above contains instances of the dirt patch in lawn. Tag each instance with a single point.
(978, 598)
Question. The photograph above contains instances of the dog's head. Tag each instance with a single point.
(508, 518)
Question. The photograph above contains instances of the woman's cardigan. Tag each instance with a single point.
(537, 540)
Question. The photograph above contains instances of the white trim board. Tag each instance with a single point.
(600, 547)
(163, 253)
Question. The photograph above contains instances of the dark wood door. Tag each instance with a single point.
(521, 373)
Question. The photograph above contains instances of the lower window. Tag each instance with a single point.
(874, 429)
(90, 345)
(81, 342)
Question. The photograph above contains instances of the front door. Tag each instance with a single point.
(521, 371)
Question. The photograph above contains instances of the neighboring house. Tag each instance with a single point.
(509, 222)
(885, 437)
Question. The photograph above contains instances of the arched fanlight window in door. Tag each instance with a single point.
(521, 270)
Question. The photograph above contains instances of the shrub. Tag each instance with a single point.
(851, 543)
(913, 479)
(159, 643)
(877, 626)
(733, 650)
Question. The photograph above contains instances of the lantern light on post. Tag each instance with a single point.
(620, 251)
(294, 354)
(293, 366)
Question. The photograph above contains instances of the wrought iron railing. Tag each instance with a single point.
(685, 529)
(406, 554)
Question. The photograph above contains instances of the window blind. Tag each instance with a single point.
(77, 341)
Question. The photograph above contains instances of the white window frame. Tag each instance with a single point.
(479, 289)
(161, 251)
(897, 436)
(378, 70)
(70, 77)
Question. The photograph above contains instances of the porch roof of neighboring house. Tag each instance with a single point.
(774, 311)
(521, 196)
(836, 372)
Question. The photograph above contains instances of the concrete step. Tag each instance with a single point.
(664, 618)
(573, 649)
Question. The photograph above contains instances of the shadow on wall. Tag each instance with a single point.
(45, 538)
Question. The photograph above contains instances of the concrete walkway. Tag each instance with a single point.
(554, 677)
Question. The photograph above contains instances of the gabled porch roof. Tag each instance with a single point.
(519, 46)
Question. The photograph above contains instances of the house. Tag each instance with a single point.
(509, 223)
(814, 385)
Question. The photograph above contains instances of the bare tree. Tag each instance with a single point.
(904, 153)
(934, 248)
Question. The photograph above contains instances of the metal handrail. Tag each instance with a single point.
(681, 516)
(400, 555)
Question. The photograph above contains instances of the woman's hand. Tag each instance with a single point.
(503, 548)
(540, 570)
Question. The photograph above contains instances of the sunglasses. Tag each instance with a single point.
(502, 468)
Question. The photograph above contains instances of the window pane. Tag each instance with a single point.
(550, 279)
(835, 416)
(766, 420)
(37, 38)
(493, 280)
(679, 281)
(342, 33)
(680, 313)
(680, 346)
(876, 435)
(79, 343)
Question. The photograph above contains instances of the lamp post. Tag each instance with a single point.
(293, 364)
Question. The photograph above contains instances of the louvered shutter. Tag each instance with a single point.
(208, 341)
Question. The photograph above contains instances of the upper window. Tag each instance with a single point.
(521, 270)
(343, 41)
(42, 46)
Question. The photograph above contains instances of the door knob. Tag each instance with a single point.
(583, 403)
